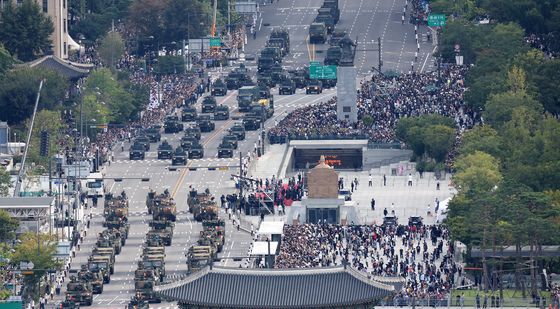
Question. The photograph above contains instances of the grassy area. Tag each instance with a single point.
(512, 298)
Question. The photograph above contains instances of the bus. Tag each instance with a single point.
(94, 184)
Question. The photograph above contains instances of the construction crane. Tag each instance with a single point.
(213, 30)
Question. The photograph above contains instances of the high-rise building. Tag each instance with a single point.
(57, 10)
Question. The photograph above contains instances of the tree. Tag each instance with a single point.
(6, 61)
(5, 182)
(25, 30)
(500, 106)
(146, 17)
(438, 141)
(482, 138)
(8, 227)
(40, 249)
(111, 49)
(18, 92)
(51, 122)
(413, 132)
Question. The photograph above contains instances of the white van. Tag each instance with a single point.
(94, 185)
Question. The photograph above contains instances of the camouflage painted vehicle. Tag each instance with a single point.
(164, 209)
(144, 290)
(93, 277)
(156, 262)
(153, 199)
(79, 292)
(208, 210)
(101, 266)
(110, 238)
(199, 257)
(136, 303)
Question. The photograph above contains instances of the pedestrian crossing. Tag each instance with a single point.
(230, 161)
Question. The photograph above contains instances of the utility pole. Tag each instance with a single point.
(380, 62)
(240, 174)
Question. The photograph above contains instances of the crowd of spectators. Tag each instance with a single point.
(548, 44)
(422, 256)
(384, 100)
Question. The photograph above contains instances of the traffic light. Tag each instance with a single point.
(44, 146)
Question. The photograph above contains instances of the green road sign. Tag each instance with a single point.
(314, 63)
(215, 42)
(322, 71)
(436, 20)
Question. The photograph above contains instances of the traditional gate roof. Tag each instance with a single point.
(68, 69)
(275, 288)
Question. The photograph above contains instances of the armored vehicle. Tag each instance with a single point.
(104, 259)
(179, 156)
(205, 124)
(221, 112)
(337, 35)
(193, 130)
(100, 266)
(332, 12)
(251, 122)
(281, 34)
(278, 43)
(68, 304)
(334, 53)
(314, 86)
(95, 278)
(225, 150)
(165, 236)
(165, 151)
(264, 64)
(137, 152)
(246, 96)
(328, 20)
(287, 87)
(136, 303)
(317, 33)
(189, 114)
(144, 141)
(207, 210)
(164, 209)
(79, 292)
(153, 134)
(144, 290)
(196, 151)
(187, 141)
(231, 139)
(238, 130)
(156, 262)
(199, 256)
(109, 239)
(208, 104)
(265, 80)
(172, 125)
(161, 223)
(219, 88)
(263, 107)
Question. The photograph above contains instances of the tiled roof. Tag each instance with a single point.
(275, 288)
(65, 68)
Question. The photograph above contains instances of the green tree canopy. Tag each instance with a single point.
(427, 133)
(25, 30)
(482, 138)
(438, 141)
(500, 106)
(51, 122)
(18, 92)
(8, 226)
(111, 49)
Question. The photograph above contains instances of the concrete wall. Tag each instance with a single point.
(346, 106)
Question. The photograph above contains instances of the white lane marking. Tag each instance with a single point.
(426, 60)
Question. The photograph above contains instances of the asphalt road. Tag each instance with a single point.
(366, 19)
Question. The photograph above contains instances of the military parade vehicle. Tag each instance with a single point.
(246, 96)
(225, 150)
(264, 64)
(265, 80)
(237, 77)
(207, 210)
(314, 86)
(221, 112)
(110, 239)
(144, 141)
(172, 125)
(136, 303)
(163, 228)
(179, 157)
(189, 114)
(214, 230)
(101, 266)
(273, 52)
(251, 122)
(326, 19)
(208, 104)
(264, 106)
(193, 130)
(137, 152)
(334, 53)
(281, 34)
(278, 43)
(238, 130)
(337, 35)
(153, 199)
(144, 289)
(264, 93)
(79, 291)
(196, 151)
(68, 304)
(219, 88)
(93, 277)
(231, 139)
(287, 87)
(105, 258)
(165, 151)
(317, 33)
(156, 262)
(205, 124)
(187, 141)
(153, 134)
(199, 257)
(332, 12)
(164, 209)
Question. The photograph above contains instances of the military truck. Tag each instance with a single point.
(199, 257)
(334, 53)
(144, 290)
(328, 20)
(161, 223)
(205, 123)
(68, 304)
(110, 239)
(151, 250)
(112, 221)
(165, 151)
(317, 33)
(189, 114)
(265, 80)
(238, 130)
(299, 77)
(101, 266)
(187, 141)
(337, 34)
(246, 96)
(93, 277)
(144, 141)
(265, 107)
(208, 104)
(179, 157)
(278, 43)
(287, 87)
(153, 134)
(231, 139)
(196, 151)
(281, 34)
(225, 150)
(193, 130)
(221, 112)
(137, 303)
(165, 236)
(206, 211)
(332, 12)
(155, 262)
(105, 259)
(237, 77)
(314, 86)
(264, 63)
(219, 88)
(105, 253)
(137, 152)
(251, 122)
(172, 125)
(79, 292)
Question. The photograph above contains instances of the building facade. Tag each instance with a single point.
(57, 10)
